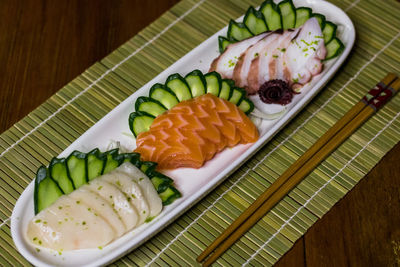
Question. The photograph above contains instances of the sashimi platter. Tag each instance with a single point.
(179, 136)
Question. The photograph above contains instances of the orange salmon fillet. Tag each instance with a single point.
(193, 131)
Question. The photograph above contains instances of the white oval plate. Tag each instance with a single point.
(193, 184)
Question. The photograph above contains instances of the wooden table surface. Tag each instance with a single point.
(45, 44)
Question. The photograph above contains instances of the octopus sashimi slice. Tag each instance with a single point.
(259, 65)
(277, 63)
(305, 52)
(266, 67)
(242, 67)
(225, 63)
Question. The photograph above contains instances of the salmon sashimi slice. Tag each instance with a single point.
(186, 121)
(183, 150)
(193, 131)
(228, 110)
(178, 142)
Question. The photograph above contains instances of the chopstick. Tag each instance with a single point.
(368, 105)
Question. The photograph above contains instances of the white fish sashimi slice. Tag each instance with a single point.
(146, 185)
(242, 67)
(304, 54)
(68, 225)
(100, 207)
(225, 63)
(127, 212)
(132, 192)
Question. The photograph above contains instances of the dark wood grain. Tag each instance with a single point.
(45, 44)
(362, 229)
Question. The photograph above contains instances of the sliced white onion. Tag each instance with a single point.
(268, 116)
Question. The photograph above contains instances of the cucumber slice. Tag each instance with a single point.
(46, 190)
(113, 160)
(246, 106)
(321, 19)
(213, 81)
(163, 95)
(59, 173)
(133, 158)
(140, 122)
(334, 48)
(226, 89)
(237, 95)
(238, 31)
(148, 167)
(254, 21)
(76, 164)
(302, 15)
(272, 15)
(95, 162)
(196, 82)
(160, 181)
(149, 105)
(288, 13)
(223, 43)
(178, 85)
(169, 195)
(329, 31)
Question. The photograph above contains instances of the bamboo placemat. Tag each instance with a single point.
(49, 129)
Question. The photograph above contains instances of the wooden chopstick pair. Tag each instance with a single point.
(339, 132)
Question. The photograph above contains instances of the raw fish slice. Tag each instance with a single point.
(184, 142)
(148, 137)
(305, 52)
(146, 185)
(152, 151)
(231, 133)
(268, 55)
(226, 128)
(186, 121)
(176, 145)
(194, 117)
(67, 225)
(185, 146)
(225, 63)
(132, 192)
(117, 200)
(242, 67)
(277, 63)
(212, 122)
(259, 65)
(243, 124)
(217, 137)
(227, 110)
(100, 207)
(182, 108)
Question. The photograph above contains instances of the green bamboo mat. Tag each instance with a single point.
(49, 129)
